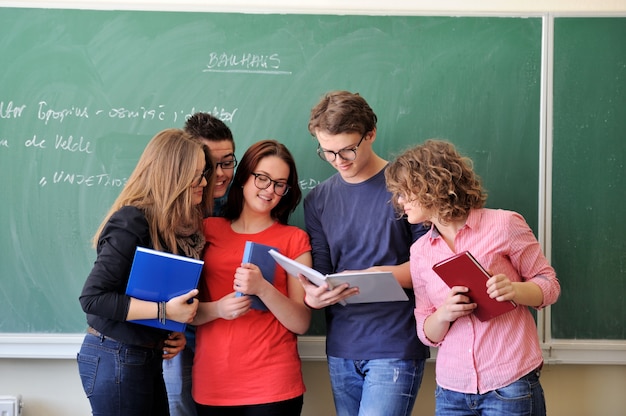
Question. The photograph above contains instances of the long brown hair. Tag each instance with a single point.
(161, 186)
(249, 162)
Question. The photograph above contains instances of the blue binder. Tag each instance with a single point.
(258, 254)
(158, 276)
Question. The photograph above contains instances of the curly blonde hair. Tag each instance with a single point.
(438, 178)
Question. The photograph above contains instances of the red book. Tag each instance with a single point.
(463, 270)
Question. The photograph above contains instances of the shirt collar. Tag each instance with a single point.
(472, 222)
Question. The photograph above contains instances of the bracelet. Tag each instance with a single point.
(162, 313)
(307, 305)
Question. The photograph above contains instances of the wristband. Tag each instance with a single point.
(306, 304)
(162, 313)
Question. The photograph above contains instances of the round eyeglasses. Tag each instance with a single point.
(348, 154)
(262, 181)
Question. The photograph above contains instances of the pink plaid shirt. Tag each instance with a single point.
(475, 356)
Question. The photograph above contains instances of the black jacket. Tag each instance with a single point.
(103, 297)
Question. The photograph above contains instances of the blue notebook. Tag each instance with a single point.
(258, 254)
(157, 276)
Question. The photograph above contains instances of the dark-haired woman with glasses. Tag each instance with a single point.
(247, 360)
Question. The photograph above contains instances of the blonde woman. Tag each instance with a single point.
(161, 207)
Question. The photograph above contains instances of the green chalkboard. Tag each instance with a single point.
(589, 180)
(81, 93)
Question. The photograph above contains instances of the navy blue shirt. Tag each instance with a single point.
(354, 227)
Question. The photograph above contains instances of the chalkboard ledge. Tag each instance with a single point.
(40, 345)
(66, 346)
(594, 352)
(312, 348)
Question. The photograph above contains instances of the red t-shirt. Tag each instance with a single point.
(252, 359)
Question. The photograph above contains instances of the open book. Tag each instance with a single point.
(373, 286)
(464, 270)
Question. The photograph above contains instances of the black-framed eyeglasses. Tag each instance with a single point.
(262, 181)
(206, 174)
(227, 164)
(348, 154)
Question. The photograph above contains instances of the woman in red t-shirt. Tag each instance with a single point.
(247, 360)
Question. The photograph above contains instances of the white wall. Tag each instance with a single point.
(51, 387)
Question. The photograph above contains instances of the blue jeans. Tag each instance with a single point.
(177, 376)
(121, 379)
(381, 387)
(523, 397)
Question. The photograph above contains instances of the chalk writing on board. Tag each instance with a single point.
(308, 183)
(11, 111)
(103, 179)
(107, 180)
(246, 63)
(34, 142)
(47, 114)
(67, 143)
(44, 113)
(71, 145)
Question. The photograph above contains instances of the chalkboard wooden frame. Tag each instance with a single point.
(311, 347)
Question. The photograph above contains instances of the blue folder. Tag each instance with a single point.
(258, 254)
(158, 276)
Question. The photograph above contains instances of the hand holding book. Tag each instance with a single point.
(318, 297)
(257, 254)
(182, 308)
(372, 286)
(169, 280)
(464, 270)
